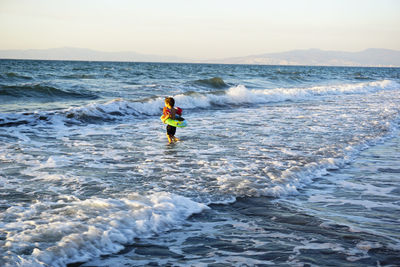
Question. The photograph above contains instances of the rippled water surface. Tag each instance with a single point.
(278, 166)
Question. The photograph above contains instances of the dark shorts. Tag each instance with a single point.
(171, 130)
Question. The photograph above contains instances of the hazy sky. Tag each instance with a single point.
(200, 29)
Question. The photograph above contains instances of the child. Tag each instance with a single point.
(169, 112)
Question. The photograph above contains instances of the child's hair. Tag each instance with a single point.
(170, 101)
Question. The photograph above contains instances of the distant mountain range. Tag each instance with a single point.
(317, 57)
(311, 57)
(71, 53)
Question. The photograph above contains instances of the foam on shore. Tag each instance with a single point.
(73, 230)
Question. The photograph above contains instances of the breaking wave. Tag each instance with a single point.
(85, 229)
(237, 95)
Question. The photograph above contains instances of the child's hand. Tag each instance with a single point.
(165, 117)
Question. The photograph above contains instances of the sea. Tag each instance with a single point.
(278, 166)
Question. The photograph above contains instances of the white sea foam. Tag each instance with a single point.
(270, 184)
(71, 230)
(67, 175)
(230, 177)
(241, 95)
(235, 95)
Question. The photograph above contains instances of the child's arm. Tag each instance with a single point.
(166, 114)
(165, 117)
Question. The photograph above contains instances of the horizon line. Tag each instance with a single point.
(271, 58)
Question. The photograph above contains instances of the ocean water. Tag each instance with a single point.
(279, 165)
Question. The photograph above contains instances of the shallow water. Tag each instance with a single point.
(349, 217)
(279, 165)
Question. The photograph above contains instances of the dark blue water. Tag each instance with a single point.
(280, 165)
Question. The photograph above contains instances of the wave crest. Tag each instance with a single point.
(242, 95)
(113, 224)
(237, 95)
(13, 75)
(215, 82)
(41, 91)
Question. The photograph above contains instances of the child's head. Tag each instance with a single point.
(169, 101)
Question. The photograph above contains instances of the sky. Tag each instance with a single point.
(200, 29)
